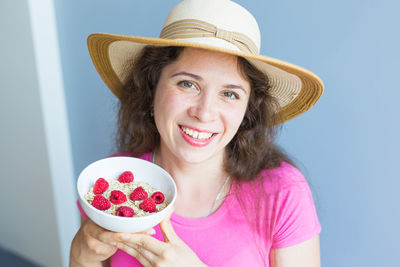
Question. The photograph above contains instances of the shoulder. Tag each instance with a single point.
(282, 178)
(277, 182)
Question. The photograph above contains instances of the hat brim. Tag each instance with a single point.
(296, 89)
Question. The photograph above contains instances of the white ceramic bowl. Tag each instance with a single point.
(111, 168)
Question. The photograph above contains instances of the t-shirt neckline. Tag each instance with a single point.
(202, 221)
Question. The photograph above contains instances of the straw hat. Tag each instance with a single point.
(217, 25)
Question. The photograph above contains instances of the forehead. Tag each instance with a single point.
(190, 54)
(208, 63)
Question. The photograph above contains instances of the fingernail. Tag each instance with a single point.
(113, 243)
(151, 232)
(125, 237)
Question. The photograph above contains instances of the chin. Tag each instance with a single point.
(197, 157)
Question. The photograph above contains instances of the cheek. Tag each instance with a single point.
(168, 105)
(233, 118)
(176, 102)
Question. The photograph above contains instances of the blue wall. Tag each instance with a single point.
(347, 145)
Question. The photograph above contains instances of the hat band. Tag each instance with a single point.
(193, 28)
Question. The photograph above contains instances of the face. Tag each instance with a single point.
(199, 104)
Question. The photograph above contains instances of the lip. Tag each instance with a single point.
(196, 142)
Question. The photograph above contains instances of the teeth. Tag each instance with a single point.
(204, 135)
(196, 134)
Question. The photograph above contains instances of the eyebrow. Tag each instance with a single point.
(197, 77)
(194, 76)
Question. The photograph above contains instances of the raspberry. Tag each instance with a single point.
(138, 194)
(117, 197)
(126, 177)
(148, 205)
(101, 203)
(125, 211)
(100, 186)
(158, 197)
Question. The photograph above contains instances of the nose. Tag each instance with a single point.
(204, 107)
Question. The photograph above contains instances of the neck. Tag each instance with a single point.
(198, 184)
(184, 172)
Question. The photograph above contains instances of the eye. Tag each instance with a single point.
(230, 95)
(187, 84)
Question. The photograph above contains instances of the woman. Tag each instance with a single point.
(201, 103)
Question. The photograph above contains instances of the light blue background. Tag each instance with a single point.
(347, 144)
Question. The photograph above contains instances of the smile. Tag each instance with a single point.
(195, 134)
(195, 137)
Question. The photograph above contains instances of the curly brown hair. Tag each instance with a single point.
(250, 151)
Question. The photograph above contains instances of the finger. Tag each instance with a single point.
(150, 231)
(92, 228)
(142, 257)
(168, 231)
(113, 237)
(144, 242)
(107, 237)
(99, 233)
(99, 248)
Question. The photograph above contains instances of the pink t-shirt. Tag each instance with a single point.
(228, 238)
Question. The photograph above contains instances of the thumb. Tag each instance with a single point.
(167, 229)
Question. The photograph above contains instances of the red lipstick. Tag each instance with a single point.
(194, 141)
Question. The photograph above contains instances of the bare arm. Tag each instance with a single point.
(305, 254)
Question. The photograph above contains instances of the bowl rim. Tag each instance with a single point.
(84, 202)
